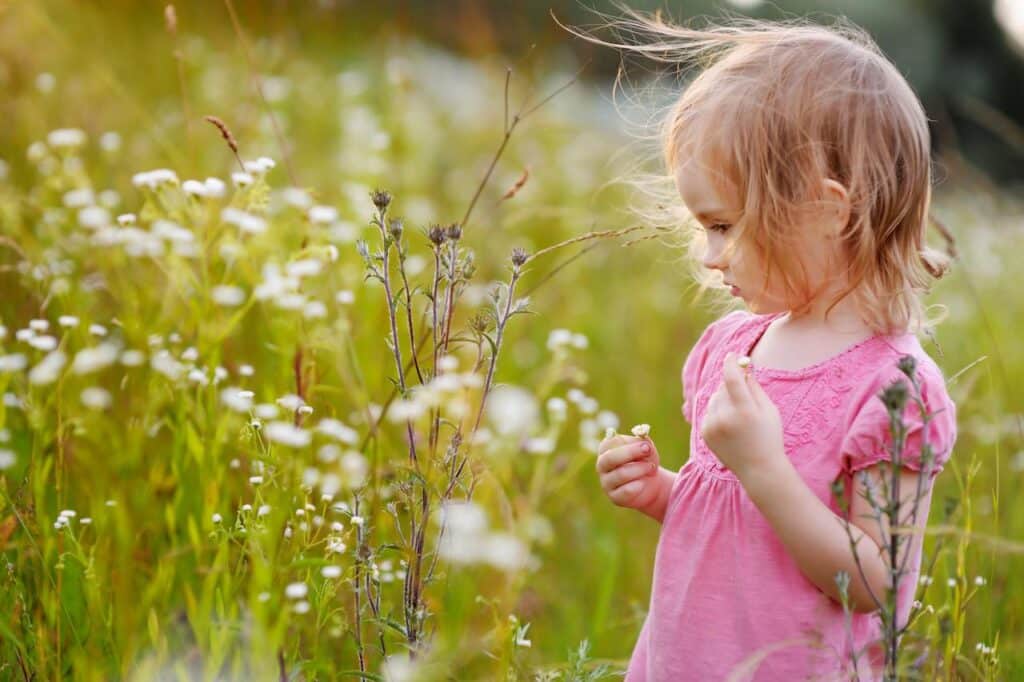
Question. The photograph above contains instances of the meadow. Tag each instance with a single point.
(306, 347)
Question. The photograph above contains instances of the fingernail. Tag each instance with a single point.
(645, 447)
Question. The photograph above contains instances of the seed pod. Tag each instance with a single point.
(642, 430)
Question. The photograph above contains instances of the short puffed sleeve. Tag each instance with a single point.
(693, 366)
(868, 438)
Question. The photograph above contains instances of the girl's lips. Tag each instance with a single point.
(735, 290)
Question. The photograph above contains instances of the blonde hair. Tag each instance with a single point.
(804, 102)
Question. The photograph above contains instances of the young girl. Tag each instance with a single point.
(803, 155)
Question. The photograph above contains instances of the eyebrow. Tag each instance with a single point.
(708, 215)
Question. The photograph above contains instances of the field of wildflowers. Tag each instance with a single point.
(305, 357)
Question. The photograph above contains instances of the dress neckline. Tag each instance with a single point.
(761, 326)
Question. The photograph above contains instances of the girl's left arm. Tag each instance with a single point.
(817, 538)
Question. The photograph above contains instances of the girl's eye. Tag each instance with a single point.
(718, 227)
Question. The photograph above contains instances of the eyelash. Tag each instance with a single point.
(714, 228)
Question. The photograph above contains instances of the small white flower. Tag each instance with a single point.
(228, 295)
(951, 582)
(66, 137)
(71, 513)
(216, 518)
(610, 432)
(215, 187)
(110, 141)
(337, 430)
(559, 338)
(345, 297)
(97, 330)
(13, 363)
(45, 342)
(263, 510)
(641, 430)
(86, 520)
(67, 321)
(96, 398)
(290, 401)
(236, 399)
(194, 187)
(256, 480)
(579, 341)
(90, 360)
(335, 546)
(7, 459)
(296, 590)
(39, 325)
(301, 607)
(132, 358)
(288, 434)
(358, 520)
(246, 370)
(331, 571)
(979, 581)
(322, 215)
(45, 82)
(48, 369)
(241, 179)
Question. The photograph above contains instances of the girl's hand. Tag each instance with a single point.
(628, 468)
(742, 425)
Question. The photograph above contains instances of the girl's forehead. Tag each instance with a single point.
(702, 182)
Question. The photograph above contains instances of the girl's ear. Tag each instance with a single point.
(837, 202)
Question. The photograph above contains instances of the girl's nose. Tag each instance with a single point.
(713, 259)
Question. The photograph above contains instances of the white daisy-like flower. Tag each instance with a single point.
(126, 219)
(110, 141)
(155, 178)
(216, 518)
(288, 434)
(45, 342)
(66, 138)
(67, 321)
(331, 571)
(7, 459)
(296, 590)
(90, 360)
(322, 215)
(132, 358)
(215, 188)
(337, 430)
(15, 362)
(641, 430)
(48, 369)
(241, 179)
(559, 338)
(228, 295)
(301, 607)
(345, 297)
(79, 198)
(45, 82)
(96, 398)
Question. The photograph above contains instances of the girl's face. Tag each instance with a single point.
(740, 266)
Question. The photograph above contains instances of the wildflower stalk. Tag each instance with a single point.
(888, 510)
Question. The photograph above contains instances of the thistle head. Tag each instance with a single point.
(895, 396)
(381, 199)
(519, 256)
(436, 234)
(395, 228)
(454, 232)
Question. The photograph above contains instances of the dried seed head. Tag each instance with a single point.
(381, 199)
(907, 364)
(519, 256)
(479, 323)
(895, 396)
(436, 234)
(395, 228)
(224, 132)
(454, 232)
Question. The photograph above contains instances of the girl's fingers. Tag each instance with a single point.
(628, 473)
(735, 383)
(634, 449)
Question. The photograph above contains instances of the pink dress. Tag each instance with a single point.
(725, 592)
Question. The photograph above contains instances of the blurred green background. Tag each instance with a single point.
(409, 97)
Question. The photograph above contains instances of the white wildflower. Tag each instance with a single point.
(96, 398)
(512, 410)
(94, 359)
(322, 215)
(288, 434)
(97, 330)
(48, 369)
(228, 295)
(266, 410)
(132, 358)
(66, 138)
(67, 321)
(79, 198)
(296, 590)
(44, 343)
(559, 338)
(7, 459)
(45, 82)
(641, 430)
(337, 430)
(331, 571)
(236, 399)
(345, 297)
(241, 179)
(110, 141)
